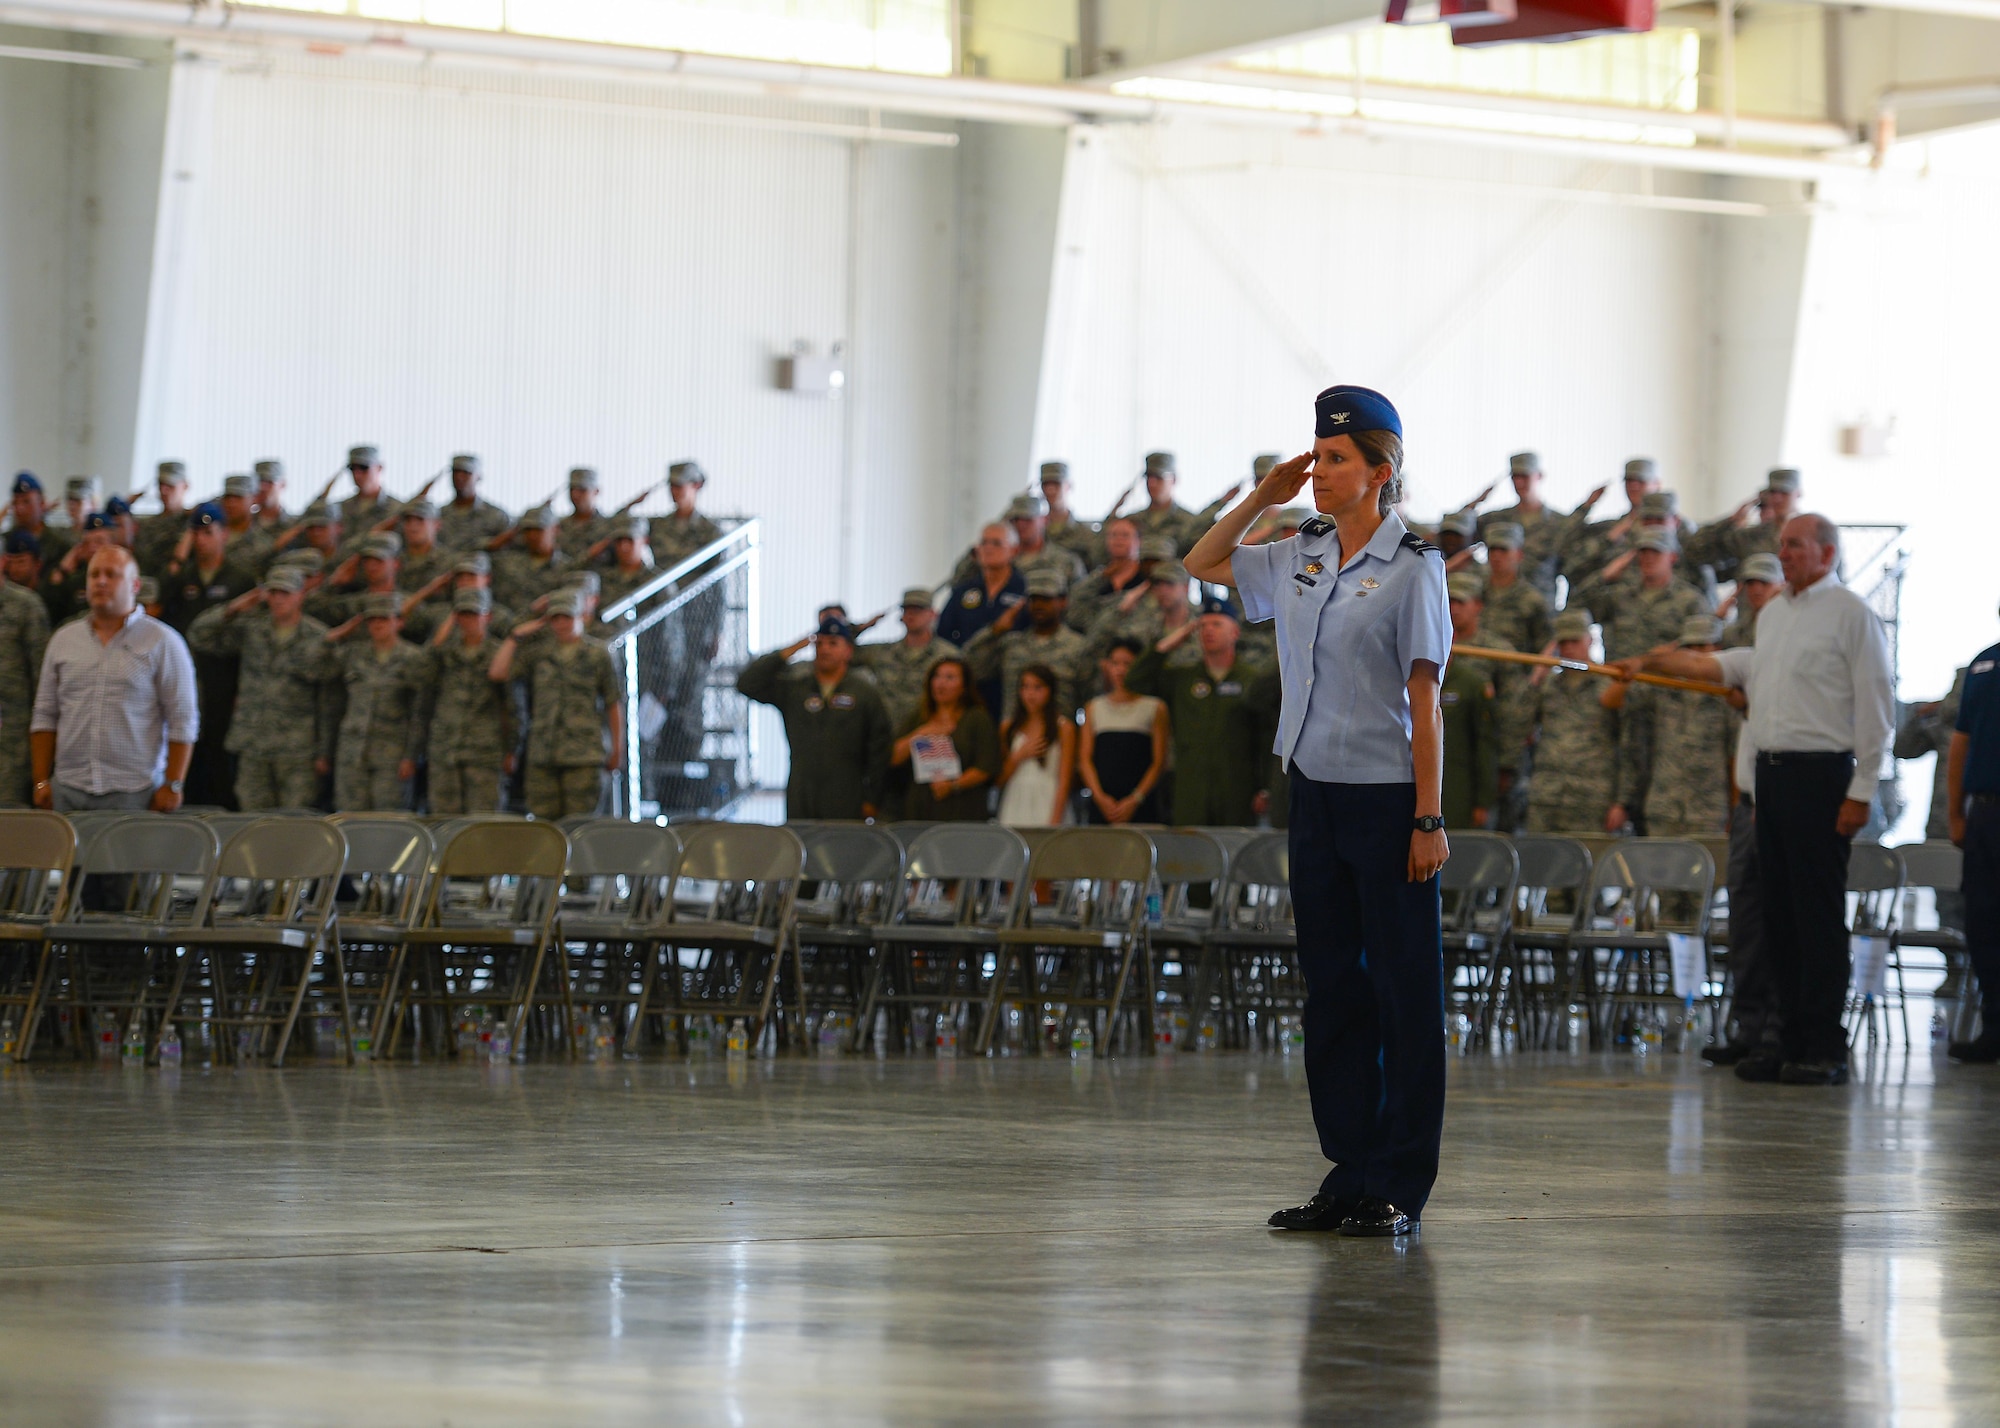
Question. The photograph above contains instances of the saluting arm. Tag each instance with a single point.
(1210, 558)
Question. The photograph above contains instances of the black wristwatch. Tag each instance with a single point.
(1429, 823)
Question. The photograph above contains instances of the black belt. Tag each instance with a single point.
(1984, 800)
(1771, 758)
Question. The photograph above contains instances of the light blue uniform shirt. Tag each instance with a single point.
(1347, 640)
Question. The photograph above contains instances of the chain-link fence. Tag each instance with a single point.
(682, 638)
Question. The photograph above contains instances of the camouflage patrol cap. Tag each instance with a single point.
(1656, 538)
(82, 488)
(566, 602)
(239, 484)
(1056, 471)
(1701, 630)
(686, 473)
(360, 456)
(583, 478)
(269, 469)
(472, 601)
(285, 577)
(149, 590)
(318, 514)
(635, 528)
(1025, 506)
(173, 473)
(1658, 505)
(1505, 535)
(1160, 463)
(421, 509)
(475, 562)
(1158, 547)
(1462, 586)
(537, 518)
(1762, 566)
(585, 582)
(1048, 583)
(916, 596)
(1261, 464)
(375, 607)
(306, 560)
(1170, 572)
(1573, 625)
(1642, 468)
(383, 545)
(465, 463)
(1458, 523)
(1783, 480)
(1524, 463)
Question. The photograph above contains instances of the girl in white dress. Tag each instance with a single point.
(1041, 754)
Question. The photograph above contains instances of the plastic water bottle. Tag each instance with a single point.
(132, 1052)
(1461, 1032)
(1082, 1041)
(483, 1038)
(701, 1037)
(1690, 1036)
(1506, 1035)
(1153, 908)
(1626, 917)
(1294, 1032)
(10, 1035)
(107, 1037)
(170, 1047)
(499, 1044)
(364, 1039)
(1163, 1031)
(1576, 1028)
(1940, 1027)
(1207, 1035)
(739, 1041)
(603, 1039)
(1646, 1036)
(832, 1031)
(946, 1037)
(465, 1036)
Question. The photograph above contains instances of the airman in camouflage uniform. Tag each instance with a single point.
(1758, 578)
(1726, 544)
(1468, 701)
(576, 708)
(1584, 546)
(381, 725)
(1027, 514)
(1640, 612)
(1675, 751)
(161, 531)
(1127, 563)
(532, 566)
(1576, 752)
(1160, 515)
(1001, 651)
(1514, 607)
(1541, 528)
(1157, 610)
(678, 536)
(469, 719)
(898, 669)
(1081, 538)
(30, 514)
(628, 570)
(580, 531)
(370, 505)
(24, 639)
(283, 729)
(247, 543)
(469, 521)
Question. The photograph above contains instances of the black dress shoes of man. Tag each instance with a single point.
(1814, 1073)
(1725, 1053)
(1760, 1065)
(1375, 1218)
(1982, 1050)
(1322, 1212)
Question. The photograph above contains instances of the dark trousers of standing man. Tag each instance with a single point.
(1371, 950)
(1803, 860)
(1982, 903)
(1753, 998)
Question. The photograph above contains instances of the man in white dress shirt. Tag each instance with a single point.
(1821, 714)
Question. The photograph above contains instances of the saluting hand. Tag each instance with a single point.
(1483, 497)
(1284, 481)
(1596, 495)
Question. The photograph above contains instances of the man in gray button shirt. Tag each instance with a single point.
(115, 716)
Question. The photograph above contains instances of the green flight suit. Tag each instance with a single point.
(1217, 771)
(839, 739)
(1471, 743)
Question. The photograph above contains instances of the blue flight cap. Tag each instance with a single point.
(207, 514)
(1220, 605)
(97, 521)
(1341, 410)
(834, 626)
(23, 542)
(27, 481)
(117, 506)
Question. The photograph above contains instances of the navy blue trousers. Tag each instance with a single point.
(1372, 951)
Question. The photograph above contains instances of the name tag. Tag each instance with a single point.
(843, 701)
(1228, 688)
(1447, 700)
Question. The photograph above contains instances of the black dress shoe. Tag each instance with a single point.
(1814, 1073)
(1322, 1212)
(1760, 1066)
(1724, 1053)
(1982, 1050)
(1376, 1218)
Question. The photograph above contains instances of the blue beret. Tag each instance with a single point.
(1220, 605)
(23, 542)
(1342, 410)
(208, 513)
(117, 506)
(832, 626)
(97, 521)
(27, 481)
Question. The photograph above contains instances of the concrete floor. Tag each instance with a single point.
(920, 1241)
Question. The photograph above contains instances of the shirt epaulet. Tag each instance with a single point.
(1413, 541)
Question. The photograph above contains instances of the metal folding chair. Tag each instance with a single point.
(1080, 950)
(270, 925)
(1478, 885)
(228, 823)
(1190, 867)
(907, 832)
(961, 884)
(389, 858)
(1253, 947)
(1550, 896)
(1940, 867)
(488, 926)
(1640, 892)
(853, 874)
(37, 851)
(616, 899)
(721, 953)
(141, 895)
(1874, 909)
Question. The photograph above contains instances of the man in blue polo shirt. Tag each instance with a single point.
(1973, 769)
